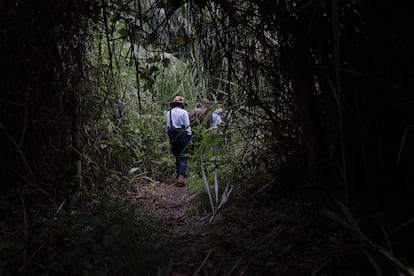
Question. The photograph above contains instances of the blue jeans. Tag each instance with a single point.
(179, 148)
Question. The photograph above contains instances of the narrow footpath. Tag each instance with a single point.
(256, 238)
(173, 205)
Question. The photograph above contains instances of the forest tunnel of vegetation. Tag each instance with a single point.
(318, 122)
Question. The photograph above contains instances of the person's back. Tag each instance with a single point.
(215, 118)
(179, 133)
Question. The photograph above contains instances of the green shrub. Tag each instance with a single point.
(112, 240)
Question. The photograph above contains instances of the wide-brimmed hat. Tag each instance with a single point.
(178, 100)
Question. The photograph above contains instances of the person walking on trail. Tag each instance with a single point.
(179, 133)
(214, 129)
(198, 119)
(215, 118)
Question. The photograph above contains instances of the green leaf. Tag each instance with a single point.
(137, 35)
(166, 62)
(124, 32)
(153, 69)
(181, 41)
(148, 84)
(132, 170)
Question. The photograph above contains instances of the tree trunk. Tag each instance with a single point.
(76, 140)
(295, 61)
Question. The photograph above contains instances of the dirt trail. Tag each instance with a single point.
(172, 204)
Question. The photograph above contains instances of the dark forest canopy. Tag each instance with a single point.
(323, 90)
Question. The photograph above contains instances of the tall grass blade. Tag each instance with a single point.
(206, 182)
(387, 238)
(351, 224)
(216, 188)
(203, 263)
(374, 264)
(316, 272)
(234, 267)
(336, 218)
(351, 220)
(403, 143)
(226, 194)
(337, 62)
(398, 228)
(26, 163)
(60, 211)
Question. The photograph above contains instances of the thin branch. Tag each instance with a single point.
(26, 163)
(203, 263)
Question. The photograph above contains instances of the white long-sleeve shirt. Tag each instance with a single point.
(179, 119)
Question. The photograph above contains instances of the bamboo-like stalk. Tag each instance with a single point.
(347, 220)
(107, 35)
(206, 185)
(403, 143)
(203, 263)
(216, 186)
(337, 60)
(25, 235)
(26, 163)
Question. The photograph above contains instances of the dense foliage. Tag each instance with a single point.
(318, 104)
